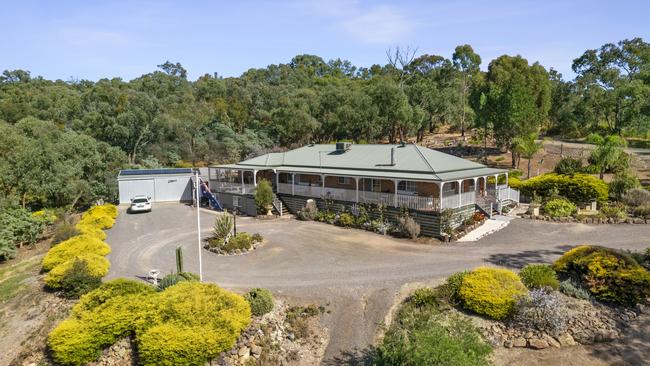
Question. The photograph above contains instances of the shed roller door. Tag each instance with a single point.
(173, 189)
(136, 187)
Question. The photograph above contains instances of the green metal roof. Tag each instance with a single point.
(411, 162)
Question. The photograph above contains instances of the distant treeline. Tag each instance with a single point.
(162, 118)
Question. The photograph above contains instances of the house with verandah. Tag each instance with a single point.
(397, 176)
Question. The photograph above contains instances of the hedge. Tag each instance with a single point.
(72, 247)
(188, 323)
(97, 266)
(578, 188)
(491, 291)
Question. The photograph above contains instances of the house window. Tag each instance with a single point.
(344, 180)
(371, 185)
(236, 202)
(376, 185)
(406, 186)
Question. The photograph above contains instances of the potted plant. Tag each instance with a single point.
(535, 204)
(264, 196)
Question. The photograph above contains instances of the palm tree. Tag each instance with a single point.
(527, 146)
(609, 155)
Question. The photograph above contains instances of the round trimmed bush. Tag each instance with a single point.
(559, 207)
(97, 267)
(65, 250)
(539, 276)
(609, 275)
(260, 300)
(491, 291)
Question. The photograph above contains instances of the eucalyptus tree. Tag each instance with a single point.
(467, 62)
(517, 99)
(615, 85)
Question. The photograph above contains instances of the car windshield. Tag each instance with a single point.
(140, 200)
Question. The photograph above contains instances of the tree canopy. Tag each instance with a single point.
(164, 119)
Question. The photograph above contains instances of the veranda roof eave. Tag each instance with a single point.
(382, 174)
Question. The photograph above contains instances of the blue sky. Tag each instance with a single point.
(96, 39)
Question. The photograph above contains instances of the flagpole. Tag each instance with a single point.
(198, 225)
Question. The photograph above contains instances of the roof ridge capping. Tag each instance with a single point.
(426, 161)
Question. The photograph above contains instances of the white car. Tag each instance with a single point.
(140, 204)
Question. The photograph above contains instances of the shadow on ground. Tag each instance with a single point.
(356, 357)
(632, 349)
(520, 259)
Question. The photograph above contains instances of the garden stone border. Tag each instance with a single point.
(586, 220)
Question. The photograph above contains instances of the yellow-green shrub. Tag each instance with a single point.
(609, 275)
(491, 291)
(109, 290)
(74, 342)
(81, 338)
(97, 267)
(105, 209)
(578, 188)
(182, 325)
(81, 244)
(91, 231)
(171, 345)
(99, 217)
(564, 263)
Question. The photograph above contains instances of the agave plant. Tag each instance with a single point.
(223, 226)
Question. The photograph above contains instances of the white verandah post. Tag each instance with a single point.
(254, 178)
(241, 172)
(322, 180)
(395, 181)
(356, 180)
(460, 191)
(440, 204)
(292, 183)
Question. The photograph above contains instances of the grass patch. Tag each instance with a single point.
(12, 277)
(11, 286)
(425, 333)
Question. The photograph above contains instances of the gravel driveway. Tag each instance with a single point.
(356, 272)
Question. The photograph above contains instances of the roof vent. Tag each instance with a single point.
(402, 143)
(343, 146)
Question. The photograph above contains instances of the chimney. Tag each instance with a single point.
(393, 160)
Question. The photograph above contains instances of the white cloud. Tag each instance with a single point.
(366, 23)
(380, 24)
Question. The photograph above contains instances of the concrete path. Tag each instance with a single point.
(490, 226)
(357, 273)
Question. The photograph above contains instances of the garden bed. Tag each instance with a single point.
(588, 322)
(587, 220)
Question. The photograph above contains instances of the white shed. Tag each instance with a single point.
(162, 185)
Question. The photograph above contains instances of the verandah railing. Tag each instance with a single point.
(414, 202)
